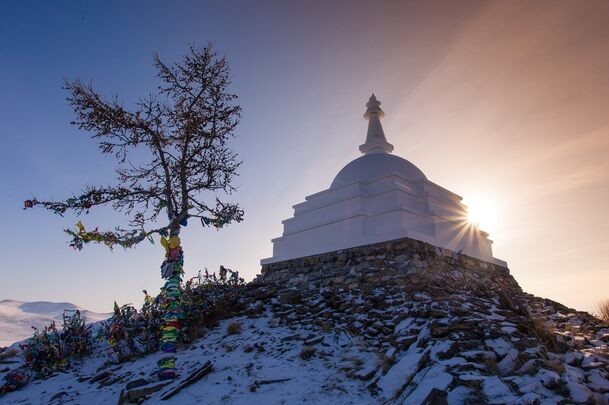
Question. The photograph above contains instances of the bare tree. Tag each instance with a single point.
(182, 129)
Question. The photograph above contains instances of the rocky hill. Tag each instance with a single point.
(397, 322)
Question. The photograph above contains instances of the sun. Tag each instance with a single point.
(481, 211)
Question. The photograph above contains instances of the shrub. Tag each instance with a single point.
(13, 381)
(234, 328)
(43, 352)
(6, 353)
(121, 332)
(132, 333)
(602, 311)
(150, 320)
(544, 333)
(75, 335)
(50, 350)
(209, 298)
(206, 299)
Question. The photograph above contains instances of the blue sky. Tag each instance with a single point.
(488, 98)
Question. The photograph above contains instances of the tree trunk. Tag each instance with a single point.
(172, 271)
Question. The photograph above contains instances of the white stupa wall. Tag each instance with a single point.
(361, 214)
(375, 198)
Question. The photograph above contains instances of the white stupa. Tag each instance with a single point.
(379, 197)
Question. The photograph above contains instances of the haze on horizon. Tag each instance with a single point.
(503, 103)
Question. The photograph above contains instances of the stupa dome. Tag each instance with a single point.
(375, 165)
(375, 198)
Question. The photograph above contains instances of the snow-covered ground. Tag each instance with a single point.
(262, 364)
(17, 317)
(338, 346)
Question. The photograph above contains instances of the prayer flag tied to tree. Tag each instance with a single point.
(184, 127)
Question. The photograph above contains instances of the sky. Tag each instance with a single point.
(504, 103)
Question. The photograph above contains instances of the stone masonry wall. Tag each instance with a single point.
(405, 263)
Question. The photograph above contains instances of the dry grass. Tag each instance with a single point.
(7, 354)
(556, 366)
(234, 328)
(544, 332)
(490, 365)
(385, 362)
(602, 311)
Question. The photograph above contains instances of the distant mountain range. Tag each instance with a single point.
(17, 317)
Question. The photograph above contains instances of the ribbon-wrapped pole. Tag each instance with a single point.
(172, 271)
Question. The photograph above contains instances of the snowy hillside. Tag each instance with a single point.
(396, 323)
(264, 358)
(17, 318)
(338, 347)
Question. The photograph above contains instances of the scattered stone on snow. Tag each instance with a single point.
(396, 322)
(191, 379)
(136, 394)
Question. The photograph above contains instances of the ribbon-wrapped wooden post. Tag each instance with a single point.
(171, 270)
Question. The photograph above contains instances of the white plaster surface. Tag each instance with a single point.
(379, 197)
